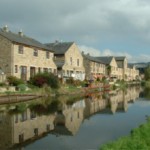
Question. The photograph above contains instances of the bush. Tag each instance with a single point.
(22, 87)
(71, 81)
(42, 79)
(2, 84)
(14, 80)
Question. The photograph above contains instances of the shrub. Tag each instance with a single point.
(71, 81)
(22, 87)
(42, 79)
(14, 80)
(2, 84)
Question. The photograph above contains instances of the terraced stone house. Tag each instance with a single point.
(94, 68)
(111, 66)
(68, 59)
(22, 56)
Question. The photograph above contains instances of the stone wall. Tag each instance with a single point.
(29, 60)
(5, 55)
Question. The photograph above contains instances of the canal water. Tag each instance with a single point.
(72, 123)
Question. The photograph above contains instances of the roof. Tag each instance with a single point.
(130, 65)
(23, 39)
(59, 64)
(59, 47)
(107, 59)
(91, 58)
(120, 58)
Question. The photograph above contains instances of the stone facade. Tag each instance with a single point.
(70, 61)
(114, 68)
(25, 63)
(28, 64)
(93, 68)
(6, 48)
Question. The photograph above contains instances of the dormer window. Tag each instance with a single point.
(20, 49)
(35, 52)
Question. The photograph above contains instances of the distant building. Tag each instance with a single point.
(22, 56)
(94, 68)
(68, 59)
(111, 66)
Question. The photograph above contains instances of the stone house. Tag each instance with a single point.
(94, 68)
(132, 73)
(22, 56)
(122, 65)
(129, 72)
(68, 59)
(111, 66)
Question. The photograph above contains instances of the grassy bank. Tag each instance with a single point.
(137, 140)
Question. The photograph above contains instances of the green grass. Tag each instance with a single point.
(139, 139)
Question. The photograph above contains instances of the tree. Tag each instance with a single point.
(109, 70)
(147, 73)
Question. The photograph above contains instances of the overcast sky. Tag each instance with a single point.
(100, 27)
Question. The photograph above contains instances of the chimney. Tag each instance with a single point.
(56, 41)
(20, 33)
(5, 28)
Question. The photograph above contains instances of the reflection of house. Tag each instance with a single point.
(94, 103)
(22, 56)
(18, 128)
(69, 119)
(119, 101)
(68, 59)
(94, 68)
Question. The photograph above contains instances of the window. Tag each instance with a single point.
(49, 69)
(36, 131)
(23, 116)
(35, 53)
(39, 69)
(16, 69)
(71, 60)
(21, 137)
(20, 49)
(48, 127)
(32, 115)
(16, 118)
(45, 69)
(47, 55)
(78, 62)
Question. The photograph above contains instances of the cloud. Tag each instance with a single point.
(107, 52)
(121, 25)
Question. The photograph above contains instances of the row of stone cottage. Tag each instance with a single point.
(23, 57)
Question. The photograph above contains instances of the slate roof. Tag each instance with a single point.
(59, 47)
(59, 64)
(13, 37)
(91, 58)
(105, 59)
(120, 58)
(130, 66)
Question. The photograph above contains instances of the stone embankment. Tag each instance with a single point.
(6, 99)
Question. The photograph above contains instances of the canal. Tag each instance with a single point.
(83, 124)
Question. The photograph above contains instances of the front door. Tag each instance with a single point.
(23, 70)
(32, 71)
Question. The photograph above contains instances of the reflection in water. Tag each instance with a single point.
(33, 123)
